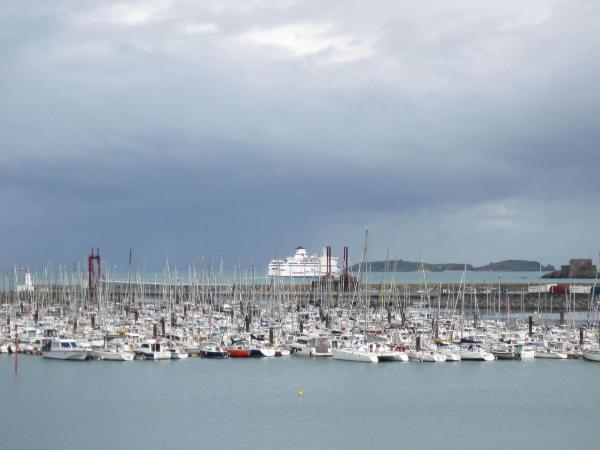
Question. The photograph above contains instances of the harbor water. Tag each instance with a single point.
(298, 403)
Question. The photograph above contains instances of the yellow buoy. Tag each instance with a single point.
(300, 394)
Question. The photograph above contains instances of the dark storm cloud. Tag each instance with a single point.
(188, 129)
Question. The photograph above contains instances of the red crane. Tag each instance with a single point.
(94, 273)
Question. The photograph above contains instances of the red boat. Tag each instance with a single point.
(238, 352)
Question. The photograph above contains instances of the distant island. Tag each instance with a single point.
(510, 265)
(515, 265)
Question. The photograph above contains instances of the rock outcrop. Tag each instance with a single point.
(577, 268)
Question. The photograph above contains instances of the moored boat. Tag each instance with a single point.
(152, 349)
(239, 349)
(475, 354)
(314, 346)
(178, 354)
(65, 349)
(261, 352)
(238, 352)
(358, 354)
(111, 354)
(591, 354)
(213, 351)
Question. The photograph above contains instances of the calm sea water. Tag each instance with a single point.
(253, 403)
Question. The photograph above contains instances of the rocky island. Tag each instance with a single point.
(577, 268)
(511, 265)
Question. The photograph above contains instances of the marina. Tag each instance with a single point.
(339, 315)
(315, 225)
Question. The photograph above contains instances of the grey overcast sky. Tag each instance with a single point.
(468, 131)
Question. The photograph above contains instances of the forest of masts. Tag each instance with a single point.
(73, 291)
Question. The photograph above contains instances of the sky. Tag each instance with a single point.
(462, 131)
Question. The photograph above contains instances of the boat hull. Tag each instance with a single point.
(214, 354)
(354, 355)
(66, 356)
(507, 356)
(551, 355)
(526, 354)
(476, 356)
(155, 356)
(111, 356)
(238, 353)
(591, 355)
(262, 352)
(392, 356)
(422, 356)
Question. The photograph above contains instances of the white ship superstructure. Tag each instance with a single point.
(303, 265)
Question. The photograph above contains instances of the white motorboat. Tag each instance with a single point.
(153, 350)
(214, 351)
(527, 352)
(65, 349)
(178, 354)
(514, 352)
(310, 346)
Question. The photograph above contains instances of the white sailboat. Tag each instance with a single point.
(591, 354)
(111, 353)
(475, 354)
(360, 353)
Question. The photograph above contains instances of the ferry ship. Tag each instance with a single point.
(303, 265)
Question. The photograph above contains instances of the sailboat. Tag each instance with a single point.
(352, 351)
(360, 353)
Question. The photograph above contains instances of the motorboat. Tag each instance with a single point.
(514, 352)
(213, 351)
(526, 352)
(152, 349)
(65, 349)
(310, 346)
(239, 349)
(505, 354)
(178, 354)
